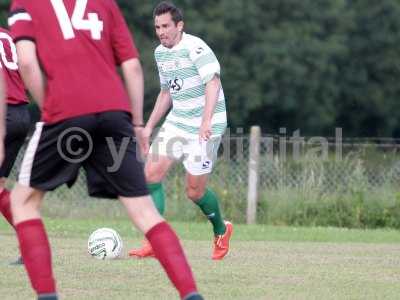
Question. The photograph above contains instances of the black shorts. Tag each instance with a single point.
(17, 127)
(57, 151)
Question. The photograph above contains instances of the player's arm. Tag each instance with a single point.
(211, 93)
(209, 70)
(30, 71)
(163, 104)
(133, 76)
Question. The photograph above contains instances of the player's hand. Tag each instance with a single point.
(205, 131)
(146, 134)
(142, 139)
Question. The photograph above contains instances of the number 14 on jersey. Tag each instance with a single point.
(77, 21)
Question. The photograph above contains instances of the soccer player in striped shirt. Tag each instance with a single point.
(190, 82)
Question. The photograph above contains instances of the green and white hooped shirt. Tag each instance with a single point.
(184, 70)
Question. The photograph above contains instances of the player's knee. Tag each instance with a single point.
(153, 175)
(26, 197)
(194, 193)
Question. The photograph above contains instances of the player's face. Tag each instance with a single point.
(167, 31)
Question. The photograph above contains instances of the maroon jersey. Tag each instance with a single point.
(8, 62)
(79, 45)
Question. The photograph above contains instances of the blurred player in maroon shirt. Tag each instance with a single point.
(68, 52)
(17, 116)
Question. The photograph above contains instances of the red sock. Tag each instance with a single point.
(5, 207)
(36, 254)
(169, 252)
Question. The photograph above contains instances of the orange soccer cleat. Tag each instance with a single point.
(145, 251)
(221, 242)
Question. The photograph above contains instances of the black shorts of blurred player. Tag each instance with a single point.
(17, 127)
(101, 143)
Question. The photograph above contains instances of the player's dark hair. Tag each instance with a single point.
(168, 7)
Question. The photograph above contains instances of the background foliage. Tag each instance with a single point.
(311, 65)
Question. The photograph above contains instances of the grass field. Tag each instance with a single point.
(265, 263)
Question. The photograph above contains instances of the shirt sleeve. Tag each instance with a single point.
(205, 61)
(163, 80)
(20, 22)
(122, 41)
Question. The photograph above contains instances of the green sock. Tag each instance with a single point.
(209, 206)
(157, 193)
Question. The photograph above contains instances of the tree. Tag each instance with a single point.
(370, 90)
(312, 64)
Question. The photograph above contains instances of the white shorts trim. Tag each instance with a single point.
(24, 177)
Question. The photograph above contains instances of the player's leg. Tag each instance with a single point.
(128, 182)
(165, 243)
(17, 122)
(5, 206)
(156, 168)
(33, 242)
(165, 150)
(199, 161)
(206, 200)
(45, 167)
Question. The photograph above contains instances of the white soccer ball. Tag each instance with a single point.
(105, 243)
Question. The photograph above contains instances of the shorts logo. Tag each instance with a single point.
(206, 165)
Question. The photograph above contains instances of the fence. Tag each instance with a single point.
(282, 169)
